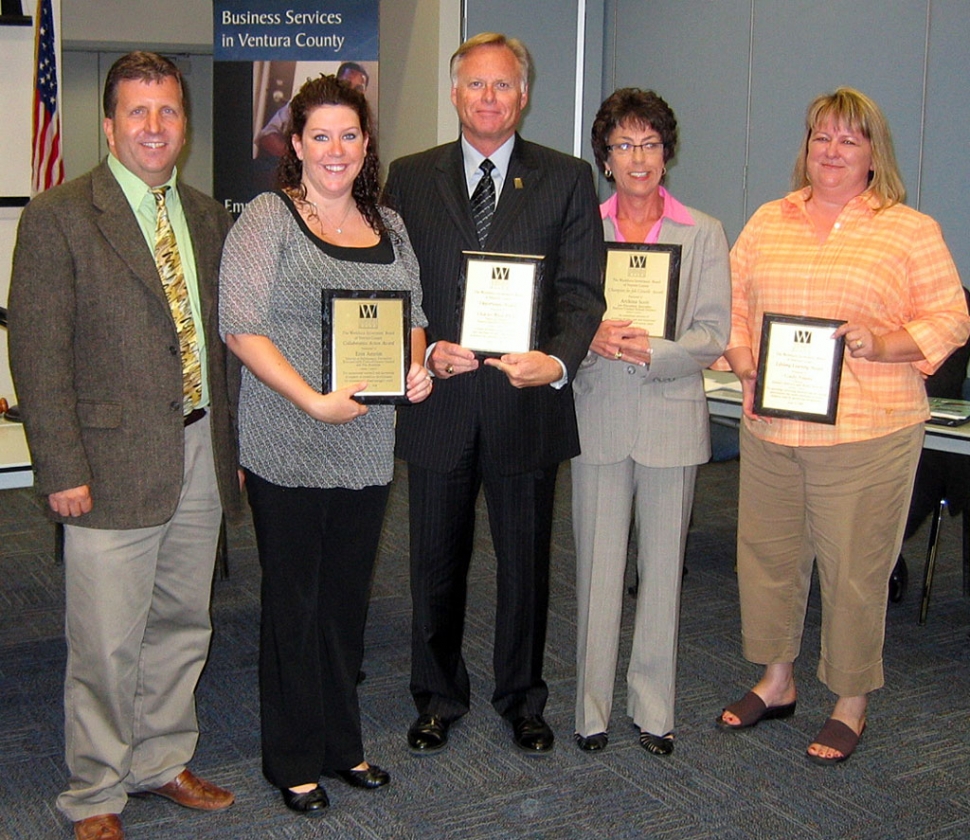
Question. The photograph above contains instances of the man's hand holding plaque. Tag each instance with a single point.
(448, 359)
(528, 370)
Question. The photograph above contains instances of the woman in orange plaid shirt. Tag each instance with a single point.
(841, 246)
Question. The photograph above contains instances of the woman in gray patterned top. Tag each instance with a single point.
(317, 466)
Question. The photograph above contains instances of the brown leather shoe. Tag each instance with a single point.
(189, 791)
(101, 827)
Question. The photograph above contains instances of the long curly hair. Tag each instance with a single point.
(329, 90)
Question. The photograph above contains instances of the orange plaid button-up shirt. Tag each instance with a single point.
(885, 269)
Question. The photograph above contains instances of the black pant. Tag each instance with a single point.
(442, 516)
(316, 549)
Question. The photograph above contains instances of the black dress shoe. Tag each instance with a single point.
(592, 743)
(532, 735)
(428, 734)
(310, 803)
(370, 779)
(898, 580)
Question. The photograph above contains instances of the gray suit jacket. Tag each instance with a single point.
(657, 415)
(95, 357)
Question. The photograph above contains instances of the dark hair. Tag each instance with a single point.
(641, 108)
(138, 66)
(353, 67)
(329, 90)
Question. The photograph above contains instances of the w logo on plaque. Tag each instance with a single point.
(638, 261)
(368, 310)
(500, 272)
(803, 337)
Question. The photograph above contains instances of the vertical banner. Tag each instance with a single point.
(264, 50)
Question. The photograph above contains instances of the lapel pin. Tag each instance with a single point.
(518, 183)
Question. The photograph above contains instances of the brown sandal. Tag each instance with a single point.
(751, 709)
(837, 736)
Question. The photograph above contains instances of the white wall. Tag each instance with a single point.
(177, 25)
(740, 73)
(417, 39)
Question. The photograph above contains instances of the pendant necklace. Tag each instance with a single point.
(318, 213)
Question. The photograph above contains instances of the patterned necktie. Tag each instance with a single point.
(173, 279)
(483, 202)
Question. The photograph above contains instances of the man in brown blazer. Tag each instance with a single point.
(137, 465)
(505, 423)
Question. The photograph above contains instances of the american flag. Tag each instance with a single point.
(46, 162)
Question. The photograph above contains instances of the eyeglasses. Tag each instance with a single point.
(627, 148)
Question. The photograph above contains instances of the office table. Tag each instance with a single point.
(14, 456)
(724, 400)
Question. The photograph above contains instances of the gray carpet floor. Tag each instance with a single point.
(910, 777)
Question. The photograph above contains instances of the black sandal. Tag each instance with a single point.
(657, 744)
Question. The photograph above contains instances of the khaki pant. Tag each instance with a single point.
(843, 505)
(138, 628)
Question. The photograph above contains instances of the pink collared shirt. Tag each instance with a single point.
(673, 210)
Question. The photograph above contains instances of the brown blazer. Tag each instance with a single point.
(95, 357)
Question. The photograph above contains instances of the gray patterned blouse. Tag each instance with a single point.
(273, 272)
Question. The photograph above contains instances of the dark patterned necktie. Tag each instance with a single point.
(169, 264)
(483, 202)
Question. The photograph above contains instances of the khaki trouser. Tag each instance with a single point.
(843, 505)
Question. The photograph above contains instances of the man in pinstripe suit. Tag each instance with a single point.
(503, 422)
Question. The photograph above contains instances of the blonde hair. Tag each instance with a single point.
(494, 39)
(853, 109)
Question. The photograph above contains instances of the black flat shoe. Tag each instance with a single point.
(532, 735)
(428, 734)
(370, 779)
(898, 580)
(310, 803)
(592, 743)
(657, 744)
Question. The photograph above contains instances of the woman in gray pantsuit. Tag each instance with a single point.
(643, 427)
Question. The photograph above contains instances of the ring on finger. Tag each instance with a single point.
(858, 343)
(618, 355)
(449, 370)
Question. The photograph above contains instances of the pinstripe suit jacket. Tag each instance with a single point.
(547, 206)
(657, 415)
(94, 352)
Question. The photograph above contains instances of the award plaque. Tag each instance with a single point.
(641, 285)
(799, 368)
(498, 302)
(367, 338)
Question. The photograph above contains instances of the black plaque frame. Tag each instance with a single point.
(328, 297)
(503, 260)
(675, 252)
(834, 371)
